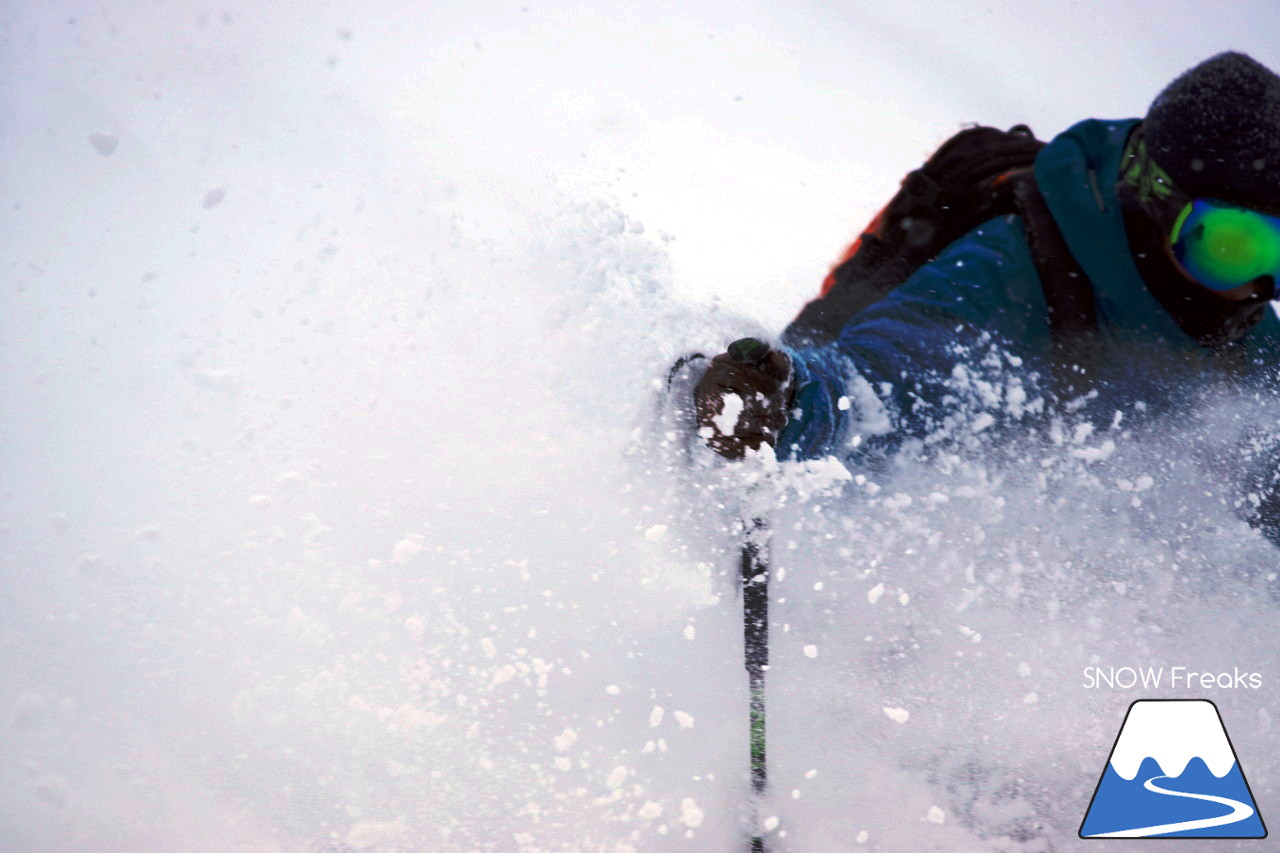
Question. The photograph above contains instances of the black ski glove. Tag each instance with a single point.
(752, 381)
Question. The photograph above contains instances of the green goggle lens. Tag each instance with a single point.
(1223, 246)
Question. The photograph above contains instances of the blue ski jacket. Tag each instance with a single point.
(891, 373)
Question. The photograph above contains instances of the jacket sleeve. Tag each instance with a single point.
(904, 365)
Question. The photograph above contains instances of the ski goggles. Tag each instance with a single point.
(1224, 246)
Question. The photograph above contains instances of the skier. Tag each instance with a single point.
(1138, 249)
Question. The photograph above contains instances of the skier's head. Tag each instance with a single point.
(1201, 186)
(1215, 130)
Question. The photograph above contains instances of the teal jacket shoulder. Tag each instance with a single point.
(905, 364)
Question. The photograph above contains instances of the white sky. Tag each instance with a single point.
(760, 136)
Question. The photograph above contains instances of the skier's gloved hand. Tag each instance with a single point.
(742, 400)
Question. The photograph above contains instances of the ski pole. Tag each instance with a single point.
(755, 631)
(754, 570)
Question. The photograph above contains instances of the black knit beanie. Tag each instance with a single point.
(1216, 131)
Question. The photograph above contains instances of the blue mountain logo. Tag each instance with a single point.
(1173, 773)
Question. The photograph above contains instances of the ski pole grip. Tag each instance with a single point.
(749, 351)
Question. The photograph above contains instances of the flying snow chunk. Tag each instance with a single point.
(811, 651)
(727, 421)
(104, 143)
(899, 501)
(650, 810)
(27, 711)
(655, 716)
(370, 834)
(873, 595)
(617, 777)
(898, 715)
(658, 531)
(685, 720)
(1094, 454)
(213, 197)
(408, 548)
(565, 740)
(690, 815)
(936, 815)
(217, 379)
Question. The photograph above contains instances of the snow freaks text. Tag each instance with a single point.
(1151, 678)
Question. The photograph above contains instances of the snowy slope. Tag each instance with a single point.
(336, 514)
